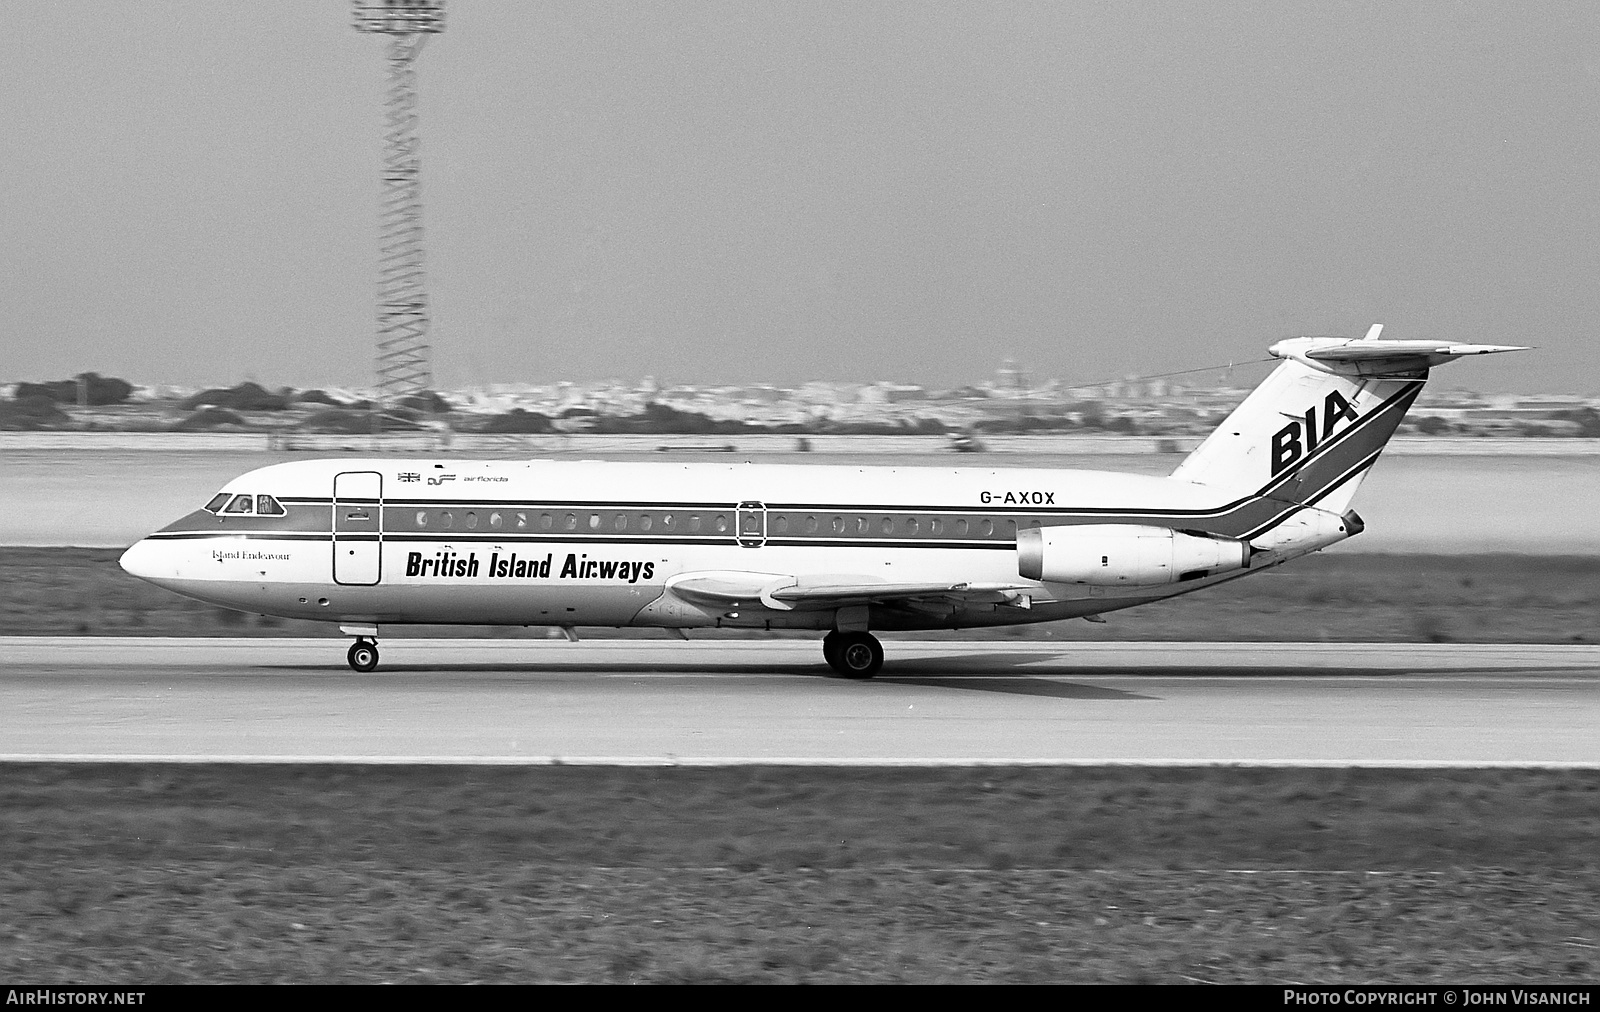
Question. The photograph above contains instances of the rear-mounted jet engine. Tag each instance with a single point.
(1124, 555)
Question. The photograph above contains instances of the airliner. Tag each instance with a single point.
(840, 550)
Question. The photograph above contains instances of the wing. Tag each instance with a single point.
(788, 593)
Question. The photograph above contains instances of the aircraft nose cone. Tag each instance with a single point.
(140, 560)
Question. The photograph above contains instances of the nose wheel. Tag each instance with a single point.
(363, 655)
(853, 654)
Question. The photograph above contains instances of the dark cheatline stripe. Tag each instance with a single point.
(562, 539)
(1332, 459)
(560, 504)
(298, 518)
(667, 542)
(587, 540)
(239, 536)
(788, 542)
(1352, 472)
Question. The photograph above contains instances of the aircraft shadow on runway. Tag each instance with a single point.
(1000, 672)
(980, 665)
(1009, 673)
(1013, 685)
(961, 676)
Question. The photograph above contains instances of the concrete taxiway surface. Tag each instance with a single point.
(524, 701)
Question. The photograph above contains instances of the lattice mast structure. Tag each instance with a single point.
(403, 352)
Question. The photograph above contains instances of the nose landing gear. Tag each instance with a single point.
(363, 655)
(853, 654)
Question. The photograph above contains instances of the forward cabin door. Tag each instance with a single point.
(357, 527)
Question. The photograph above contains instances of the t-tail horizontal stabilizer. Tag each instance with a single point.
(1370, 356)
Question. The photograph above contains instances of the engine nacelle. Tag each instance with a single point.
(1124, 555)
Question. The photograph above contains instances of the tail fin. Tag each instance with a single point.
(1311, 430)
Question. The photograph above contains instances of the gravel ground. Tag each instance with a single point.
(362, 874)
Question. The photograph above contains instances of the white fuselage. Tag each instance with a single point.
(595, 543)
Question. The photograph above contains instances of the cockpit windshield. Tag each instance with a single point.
(245, 504)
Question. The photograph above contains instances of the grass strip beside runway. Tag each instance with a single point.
(155, 873)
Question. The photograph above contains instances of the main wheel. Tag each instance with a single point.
(860, 655)
(830, 651)
(363, 655)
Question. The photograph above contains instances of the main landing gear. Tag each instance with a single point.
(853, 654)
(363, 655)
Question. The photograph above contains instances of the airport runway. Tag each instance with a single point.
(705, 703)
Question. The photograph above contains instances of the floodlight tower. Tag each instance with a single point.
(403, 352)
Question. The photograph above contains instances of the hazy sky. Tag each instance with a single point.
(766, 191)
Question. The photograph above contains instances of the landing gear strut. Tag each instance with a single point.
(853, 654)
(363, 655)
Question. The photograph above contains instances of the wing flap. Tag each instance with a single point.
(834, 594)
